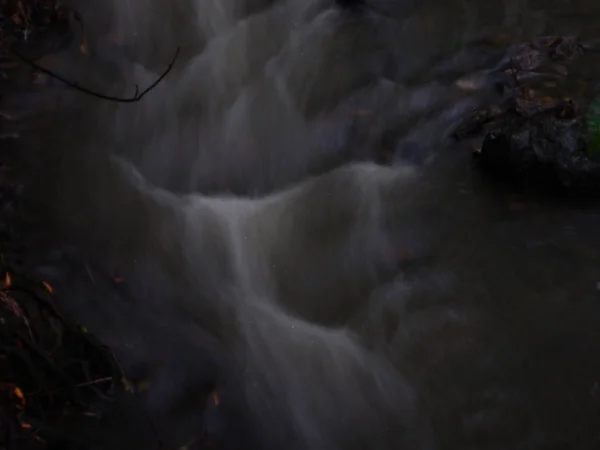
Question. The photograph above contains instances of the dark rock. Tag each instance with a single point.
(536, 134)
(542, 151)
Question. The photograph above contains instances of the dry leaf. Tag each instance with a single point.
(48, 287)
(7, 281)
(19, 393)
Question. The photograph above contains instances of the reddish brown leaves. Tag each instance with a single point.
(48, 287)
(7, 281)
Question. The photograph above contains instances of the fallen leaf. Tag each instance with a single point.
(7, 281)
(48, 287)
(27, 426)
(19, 393)
(215, 397)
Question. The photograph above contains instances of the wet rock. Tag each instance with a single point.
(545, 51)
(537, 133)
(542, 151)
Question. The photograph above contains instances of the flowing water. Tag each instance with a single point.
(334, 302)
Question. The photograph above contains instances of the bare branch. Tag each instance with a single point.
(137, 96)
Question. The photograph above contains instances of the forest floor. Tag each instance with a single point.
(50, 367)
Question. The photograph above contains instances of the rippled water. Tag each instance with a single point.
(335, 303)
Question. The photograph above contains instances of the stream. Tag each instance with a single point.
(296, 229)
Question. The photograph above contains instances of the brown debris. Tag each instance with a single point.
(51, 368)
(536, 78)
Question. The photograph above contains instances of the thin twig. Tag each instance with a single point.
(137, 96)
(99, 380)
(17, 311)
